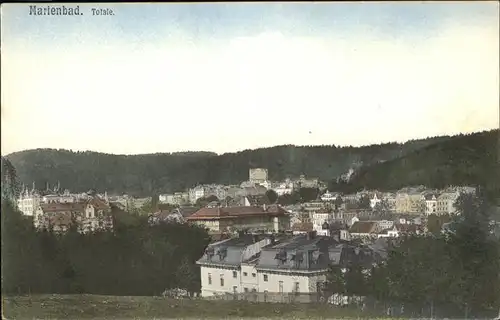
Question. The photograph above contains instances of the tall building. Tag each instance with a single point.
(28, 201)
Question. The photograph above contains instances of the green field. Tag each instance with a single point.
(113, 307)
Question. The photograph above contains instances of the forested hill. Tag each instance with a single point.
(464, 159)
(152, 173)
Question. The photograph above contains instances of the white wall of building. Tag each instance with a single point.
(215, 286)
(287, 283)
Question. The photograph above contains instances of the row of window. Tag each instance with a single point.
(235, 275)
(245, 274)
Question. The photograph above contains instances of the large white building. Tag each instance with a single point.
(28, 202)
(285, 187)
(262, 264)
(446, 203)
(205, 191)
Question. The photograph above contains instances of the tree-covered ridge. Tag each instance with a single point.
(162, 173)
(461, 160)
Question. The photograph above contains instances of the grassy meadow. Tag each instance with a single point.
(113, 307)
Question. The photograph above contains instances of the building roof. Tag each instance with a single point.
(98, 204)
(59, 219)
(63, 207)
(186, 211)
(363, 227)
(229, 251)
(302, 226)
(299, 253)
(235, 212)
(258, 200)
(303, 253)
(408, 228)
(429, 196)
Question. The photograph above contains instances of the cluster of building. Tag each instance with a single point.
(246, 207)
(58, 210)
(257, 184)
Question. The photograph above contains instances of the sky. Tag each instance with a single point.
(224, 77)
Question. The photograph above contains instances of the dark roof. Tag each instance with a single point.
(258, 200)
(363, 227)
(302, 226)
(234, 212)
(335, 226)
(186, 211)
(63, 207)
(230, 251)
(429, 196)
(299, 253)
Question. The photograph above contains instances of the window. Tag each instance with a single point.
(246, 289)
(265, 277)
(245, 274)
(235, 289)
(254, 290)
(221, 280)
(254, 275)
(209, 278)
(297, 287)
(235, 274)
(281, 286)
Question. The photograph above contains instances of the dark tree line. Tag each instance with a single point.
(456, 274)
(144, 175)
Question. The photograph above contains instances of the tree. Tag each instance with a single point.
(364, 202)
(308, 194)
(289, 198)
(382, 209)
(155, 199)
(202, 202)
(476, 255)
(355, 283)
(335, 281)
(435, 223)
(187, 276)
(147, 207)
(272, 196)
(10, 182)
(461, 268)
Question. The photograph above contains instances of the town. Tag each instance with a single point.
(265, 242)
(228, 161)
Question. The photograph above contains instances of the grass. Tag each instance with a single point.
(114, 307)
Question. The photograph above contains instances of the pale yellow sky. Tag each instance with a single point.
(247, 90)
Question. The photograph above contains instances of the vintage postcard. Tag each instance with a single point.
(261, 160)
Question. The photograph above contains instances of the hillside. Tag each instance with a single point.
(146, 174)
(464, 159)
